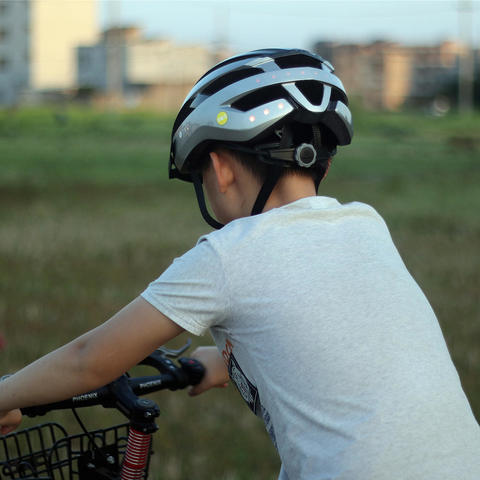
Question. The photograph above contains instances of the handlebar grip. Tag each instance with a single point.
(193, 368)
(35, 411)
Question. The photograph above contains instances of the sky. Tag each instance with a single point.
(249, 24)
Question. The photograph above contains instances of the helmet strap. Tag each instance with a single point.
(266, 190)
(197, 183)
(317, 145)
(273, 174)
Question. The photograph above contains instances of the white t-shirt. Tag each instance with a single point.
(330, 340)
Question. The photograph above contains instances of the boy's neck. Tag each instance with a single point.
(290, 188)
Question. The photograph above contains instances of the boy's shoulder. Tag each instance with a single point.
(292, 217)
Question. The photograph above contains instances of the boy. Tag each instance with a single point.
(316, 319)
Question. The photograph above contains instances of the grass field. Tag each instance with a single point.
(88, 218)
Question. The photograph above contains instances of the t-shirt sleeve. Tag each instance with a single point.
(191, 292)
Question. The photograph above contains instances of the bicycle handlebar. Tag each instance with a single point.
(123, 392)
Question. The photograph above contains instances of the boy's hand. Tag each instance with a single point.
(216, 373)
(9, 421)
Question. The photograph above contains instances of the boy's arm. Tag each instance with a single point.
(92, 360)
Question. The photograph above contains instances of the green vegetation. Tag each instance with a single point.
(88, 218)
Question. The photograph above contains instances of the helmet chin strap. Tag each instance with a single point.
(197, 183)
(274, 173)
(260, 202)
(266, 190)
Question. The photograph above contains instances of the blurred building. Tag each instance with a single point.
(387, 75)
(37, 45)
(128, 68)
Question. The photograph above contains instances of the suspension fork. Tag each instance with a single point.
(142, 426)
(135, 461)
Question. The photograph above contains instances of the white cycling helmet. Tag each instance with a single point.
(284, 107)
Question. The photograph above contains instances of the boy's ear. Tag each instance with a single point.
(222, 163)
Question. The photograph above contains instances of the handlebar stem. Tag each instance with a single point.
(141, 411)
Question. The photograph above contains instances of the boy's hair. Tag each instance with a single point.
(260, 166)
(260, 170)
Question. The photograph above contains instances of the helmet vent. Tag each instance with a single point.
(337, 95)
(292, 61)
(259, 97)
(230, 78)
(183, 113)
(312, 90)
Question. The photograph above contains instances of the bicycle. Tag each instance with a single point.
(120, 452)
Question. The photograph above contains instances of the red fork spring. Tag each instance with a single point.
(136, 455)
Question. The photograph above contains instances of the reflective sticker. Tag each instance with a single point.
(222, 118)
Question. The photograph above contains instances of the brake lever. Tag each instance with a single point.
(159, 361)
(189, 370)
(175, 353)
(159, 358)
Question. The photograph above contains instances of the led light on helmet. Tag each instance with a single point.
(222, 118)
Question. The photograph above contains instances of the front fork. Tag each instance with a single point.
(135, 460)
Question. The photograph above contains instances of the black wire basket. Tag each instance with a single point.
(47, 452)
